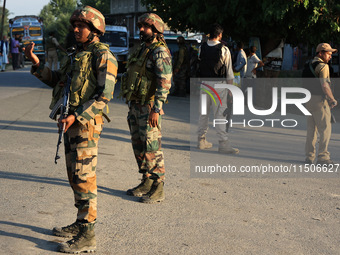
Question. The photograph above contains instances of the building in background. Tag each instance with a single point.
(126, 13)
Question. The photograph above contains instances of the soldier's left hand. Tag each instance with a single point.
(153, 118)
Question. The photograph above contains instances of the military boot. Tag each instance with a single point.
(225, 148)
(68, 231)
(203, 143)
(142, 189)
(85, 241)
(156, 193)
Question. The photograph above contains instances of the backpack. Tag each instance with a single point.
(309, 69)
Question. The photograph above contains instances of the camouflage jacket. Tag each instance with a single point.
(105, 71)
(159, 63)
(181, 60)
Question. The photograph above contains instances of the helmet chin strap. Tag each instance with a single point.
(90, 37)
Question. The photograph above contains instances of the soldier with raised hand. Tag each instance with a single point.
(94, 72)
(145, 87)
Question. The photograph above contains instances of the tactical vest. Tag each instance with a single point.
(137, 82)
(185, 62)
(313, 85)
(49, 43)
(210, 61)
(84, 80)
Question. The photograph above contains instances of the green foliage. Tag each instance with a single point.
(307, 21)
(5, 27)
(56, 15)
(102, 5)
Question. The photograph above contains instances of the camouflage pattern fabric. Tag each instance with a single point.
(146, 141)
(81, 150)
(159, 63)
(153, 20)
(89, 15)
(81, 140)
(181, 63)
(181, 60)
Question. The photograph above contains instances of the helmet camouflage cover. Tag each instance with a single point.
(91, 16)
(152, 20)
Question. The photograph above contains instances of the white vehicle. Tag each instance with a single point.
(118, 40)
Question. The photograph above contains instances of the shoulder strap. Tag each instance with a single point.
(147, 53)
(95, 49)
(312, 67)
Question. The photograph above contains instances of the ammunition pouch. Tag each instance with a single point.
(135, 86)
(136, 83)
(83, 82)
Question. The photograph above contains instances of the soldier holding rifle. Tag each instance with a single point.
(93, 77)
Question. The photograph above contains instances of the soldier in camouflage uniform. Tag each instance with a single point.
(145, 87)
(94, 72)
(52, 45)
(181, 68)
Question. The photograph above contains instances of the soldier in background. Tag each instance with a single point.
(320, 105)
(180, 68)
(145, 87)
(94, 73)
(52, 45)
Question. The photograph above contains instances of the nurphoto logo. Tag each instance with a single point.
(239, 103)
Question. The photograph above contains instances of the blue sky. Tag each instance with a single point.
(24, 7)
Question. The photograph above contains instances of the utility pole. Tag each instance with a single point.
(3, 19)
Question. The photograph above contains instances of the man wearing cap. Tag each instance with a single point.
(93, 77)
(321, 101)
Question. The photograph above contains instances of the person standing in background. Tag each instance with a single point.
(253, 63)
(322, 100)
(4, 49)
(52, 45)
(15, 51)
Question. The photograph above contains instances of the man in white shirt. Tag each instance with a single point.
(215, 62)
(253, 63)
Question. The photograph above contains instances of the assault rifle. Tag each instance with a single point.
(62, 107)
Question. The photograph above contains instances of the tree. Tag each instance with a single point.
(102, 5)
(56, 15)
(309, 21)
(5, 26)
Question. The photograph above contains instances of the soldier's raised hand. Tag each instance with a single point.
(30, 55)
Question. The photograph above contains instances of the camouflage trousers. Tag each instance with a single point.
(180, 80)
(81, 150)
(146, 141)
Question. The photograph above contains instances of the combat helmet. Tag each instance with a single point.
(91, 16)
(153, 20)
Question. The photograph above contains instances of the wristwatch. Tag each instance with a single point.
(156, 110)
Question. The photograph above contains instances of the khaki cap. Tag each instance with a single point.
(325, 47)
